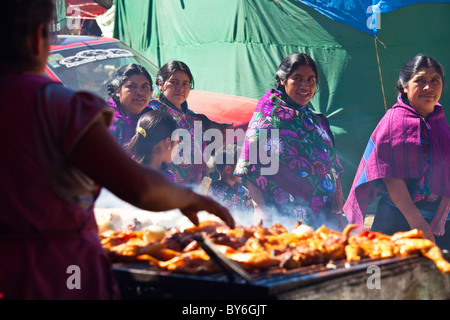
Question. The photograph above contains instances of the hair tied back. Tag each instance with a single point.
(141, 131)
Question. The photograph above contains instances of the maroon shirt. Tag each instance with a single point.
(47, 222)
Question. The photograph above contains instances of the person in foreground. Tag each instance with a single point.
(152, 145)
(306, 186)
(406, 163)
(57, 151)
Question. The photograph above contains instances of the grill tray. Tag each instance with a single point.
(142, 281)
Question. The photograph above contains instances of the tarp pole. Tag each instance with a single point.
(375, 39)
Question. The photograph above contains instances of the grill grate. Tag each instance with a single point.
(142, 281)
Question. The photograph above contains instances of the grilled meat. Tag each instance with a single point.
(257, 247)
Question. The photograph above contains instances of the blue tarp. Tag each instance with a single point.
(364, 15)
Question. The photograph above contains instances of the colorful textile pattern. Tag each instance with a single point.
(123, 127)
(235, 199)
(168, 172)
(190, 170)
(309, 170)
(395, 150)
(421, 189)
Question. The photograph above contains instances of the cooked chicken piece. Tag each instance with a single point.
(376, 245)
(193, 262)
(254, 260)
(435, 255)
(208, 226)
(162, 254)
(425, 247)
(414, 233)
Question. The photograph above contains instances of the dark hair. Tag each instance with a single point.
(158, 126)
(167, 70)
(410, 69)
(224, 154)
(123, 74)
(20, 20)
(290, 64)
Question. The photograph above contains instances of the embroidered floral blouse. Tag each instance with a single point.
(235, 199)
(308, 176)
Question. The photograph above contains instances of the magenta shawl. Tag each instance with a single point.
(394, 151)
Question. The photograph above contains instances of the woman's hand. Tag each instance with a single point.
(198, 203)
(400, 196)
(259, 214)
(421, 224)
(259, 204)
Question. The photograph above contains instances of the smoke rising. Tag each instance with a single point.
(108, 203)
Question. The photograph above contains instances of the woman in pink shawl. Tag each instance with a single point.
(407, 160)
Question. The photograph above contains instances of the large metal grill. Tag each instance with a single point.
(412, 277)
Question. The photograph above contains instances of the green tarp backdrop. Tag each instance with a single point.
(235, 47)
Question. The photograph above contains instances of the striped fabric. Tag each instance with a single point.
(437, 225)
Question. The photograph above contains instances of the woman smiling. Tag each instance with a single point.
(174, 83)
(406, 164)
(130, 91)
(307, 185)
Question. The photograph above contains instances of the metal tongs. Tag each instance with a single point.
(227, 265)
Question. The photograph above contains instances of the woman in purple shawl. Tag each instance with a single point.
(304, 184)
(407, 160)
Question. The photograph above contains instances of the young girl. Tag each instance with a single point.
(228, 189)
(152, 145)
